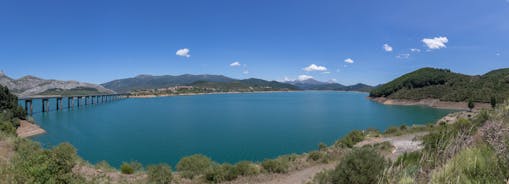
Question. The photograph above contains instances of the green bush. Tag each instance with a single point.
(472, 165)
(126, 168)
(276, 165)
(194, 165)
(9, 103)
(391, 130)
(407, 159)
(315, 155)
(159, 174)
(361, 166)
(350, 139)
(32, 164)
(221, 173)
(322, 146)
(246, 168)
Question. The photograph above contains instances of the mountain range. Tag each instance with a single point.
(312, 84)
(30, 86)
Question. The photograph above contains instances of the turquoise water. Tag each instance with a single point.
(225, 127)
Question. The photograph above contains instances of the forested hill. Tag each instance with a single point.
(447, 86)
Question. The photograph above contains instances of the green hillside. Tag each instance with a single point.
(447, 86)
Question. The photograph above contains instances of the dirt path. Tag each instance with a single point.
(402, 144)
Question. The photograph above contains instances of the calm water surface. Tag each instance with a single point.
(225, 127)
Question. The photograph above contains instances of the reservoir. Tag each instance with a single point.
(225, 127)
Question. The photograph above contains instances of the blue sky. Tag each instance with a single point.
(98, 41)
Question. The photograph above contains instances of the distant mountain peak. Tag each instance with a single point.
(143, 76)
(29, 77)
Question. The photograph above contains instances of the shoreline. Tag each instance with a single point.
(221, 93)
(194, 94)
(27, 129)
(429, 102)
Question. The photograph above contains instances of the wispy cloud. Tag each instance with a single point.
(183, 52)
(304, 77)
(234, 64)
(387, 48)
(245, 72)
(403, 56)
(415, 50)
(314, 67)
(435, 43)
(349, 60)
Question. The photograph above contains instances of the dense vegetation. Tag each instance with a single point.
(10, 112)
(447, 86)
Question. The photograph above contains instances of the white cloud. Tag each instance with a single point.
(245, 72)
(286, 79)
(333, 81)
(183, 52)
(415, 50)
(403, 56)
(304, 77)
(326, 72)
(349, 60)
(387, 48)
(435, 43)
(314, 67)
(234, 64)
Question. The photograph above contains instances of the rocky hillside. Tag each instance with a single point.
(30, 86)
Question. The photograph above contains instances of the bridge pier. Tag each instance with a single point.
(27, 108)
(45, 105)
(59, 103)
(79, 99)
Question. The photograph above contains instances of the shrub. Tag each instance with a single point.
(407, 159)
(137, 166)
(276, 165)
(32, 164)
(159, 174)
(315, 155)
(194, 165)
(361, 166)
(472, 165)
(493, 102)
(221, 173)
(246, 168)
(323, 177)
(104, 166)
(391, 130)
(350, 139)
(126, 168)
(322, 146)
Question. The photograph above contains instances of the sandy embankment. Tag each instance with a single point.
(435, 103)
(27, 129)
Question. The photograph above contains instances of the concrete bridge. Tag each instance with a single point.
(87, 99)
